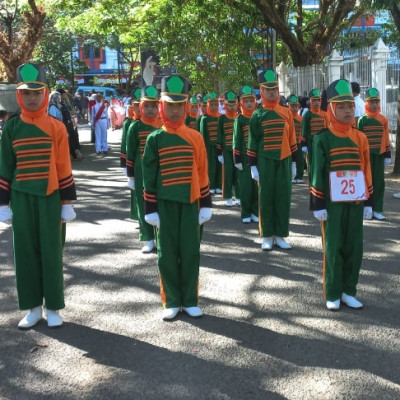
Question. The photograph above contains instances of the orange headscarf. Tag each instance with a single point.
(247, 113)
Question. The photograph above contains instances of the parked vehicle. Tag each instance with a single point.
(106, 91)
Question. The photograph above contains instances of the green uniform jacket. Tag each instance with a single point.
(34, 159)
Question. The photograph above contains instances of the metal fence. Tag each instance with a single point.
(356, 67)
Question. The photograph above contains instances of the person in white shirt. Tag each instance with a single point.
(359, 102)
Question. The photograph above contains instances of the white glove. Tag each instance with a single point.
(304, 149)
(125, 172)
(131, 183)
(294, 170)
(205, 214)
(387, 161)
(221, 159)
(153, 219)
(67, 213)
(321, 215)
(5, 215)
(254, 173)
(239, 166)
(367, 212)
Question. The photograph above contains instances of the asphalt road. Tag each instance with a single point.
(265, 334)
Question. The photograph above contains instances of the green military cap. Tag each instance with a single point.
(204, 98)
(314, 94)
(149, 93)
(268, 79)
(339, 91)
(246, 91)
(372, 94)
(212, 96)
(230, 97)
(174, 89)
(31, 76)
(135, 95)
(292, 99)
(193, 100)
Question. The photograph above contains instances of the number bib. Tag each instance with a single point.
(347, 186)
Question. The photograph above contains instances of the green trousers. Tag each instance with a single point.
(275, 191)
(133, 212)
(248, 193)
(178, 246)
(38, 250)
(342, 239)
(146, 232)
(299, 165)
(378, 180)
(229, 177)
(214, 168)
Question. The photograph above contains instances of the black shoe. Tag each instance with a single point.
(105, 152)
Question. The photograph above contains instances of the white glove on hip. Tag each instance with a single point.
(304, 149)
(125, 172)
(5, 215)
(321, 215)
(239, 166)
(221, 159)
(387, 161)
(254, 173)
(67, 213)
(131, 183)
(153, 219)
(205, 214)
(294, 170)
(367, 212)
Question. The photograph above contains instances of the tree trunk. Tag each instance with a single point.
(17, 49)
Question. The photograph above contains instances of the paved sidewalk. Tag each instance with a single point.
(265, 334)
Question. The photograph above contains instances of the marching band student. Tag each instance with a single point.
(376, 128)
(313, 121)
(135, 143)
(341, 196)
(36, 191)
(209, 130)
(193, 113)
(271, 153)
(248, 186)
(177, 199)
(224, 149)
(132, 115)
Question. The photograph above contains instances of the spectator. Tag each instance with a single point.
(359, 102)
(73, 137)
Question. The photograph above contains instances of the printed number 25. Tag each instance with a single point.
(348, 186)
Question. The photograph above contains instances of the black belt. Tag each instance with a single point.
(103, 118)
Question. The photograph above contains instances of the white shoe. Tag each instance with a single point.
(238, 202)
(218, 191)
(170, 313)
(148, 247)
(31, 319)
(293, 180)
(282, 243)
(333, 305)
(396, 195)
(212, 191)
(53, 319)
(378, 216)
(254, 218)
(246, 220)
(299, 180)
(351, 301)
(194, 312)
(229, 203)
(267, 243)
